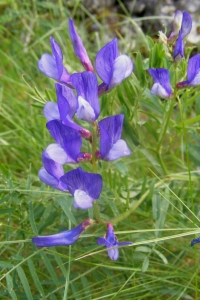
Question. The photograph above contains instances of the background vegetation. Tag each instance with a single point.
(157, 186)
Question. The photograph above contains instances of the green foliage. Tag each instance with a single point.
(151, 196)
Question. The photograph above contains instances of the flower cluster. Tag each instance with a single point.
(182, 26)
(78, 99)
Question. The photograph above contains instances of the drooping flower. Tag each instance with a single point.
(79, 48)
(195, 241)
(182, 22)
(86, 86)
(162, 86)
(85, 187)
(111, 67)
(65, 109)
(110, 240)
(179, 48)
(52, 65)
(51, 172)
(193, 72)
(111, 145)
(69, 142)
(64, 238)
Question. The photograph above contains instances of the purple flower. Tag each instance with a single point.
(86, 86)
(111, 145)
(51, 172)
(65, 109)
(69, 142)
(85, 187)
(64, 238)
(179, 48)
(193, 72)
(79, 49)
(111, 67)
(182, 22)
(195, 241)
(52, 65)
(162, 86)
(110, 241)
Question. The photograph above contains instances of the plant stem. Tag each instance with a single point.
(164, 129)
(95, 167)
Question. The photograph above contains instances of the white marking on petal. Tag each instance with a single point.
(85, 110)
(51, 111)
(122, 68)
(157, 89)
(82, 200)
(119, 149)
(196, 79)
(58, 154)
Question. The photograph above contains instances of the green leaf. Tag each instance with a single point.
(143, 249)
(9, 282)
(164, 259)
(24, 282)
(145, 264)
(32, 218)
(49, 268)
(35, 278)
(66, 207)
(139, 70)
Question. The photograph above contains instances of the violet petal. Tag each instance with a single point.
(90, 183)
(179, 48)
(105, 59)
(79, 48)
(110, 133)
(86, 86)
(186, 26)
(68, 138)
(162, 86)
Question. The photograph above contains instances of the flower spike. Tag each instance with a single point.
(85, 187)
(79, 48)
(111, 67)
(193, 72)
(110, 240)
(111, 145)
(64, 238)
(52, 65)
(162, 86)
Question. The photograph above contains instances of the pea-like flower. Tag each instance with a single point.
(162, 86)
(65, 109)
(84, 186)
(182, 22)
(64, 238)
(195, 241)
(193, 73)
(51, 172)
(110, 240)
(86, 86)
(69, 142)
(52, 65)
(111, 67)
(79, 48)
(111, 145)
